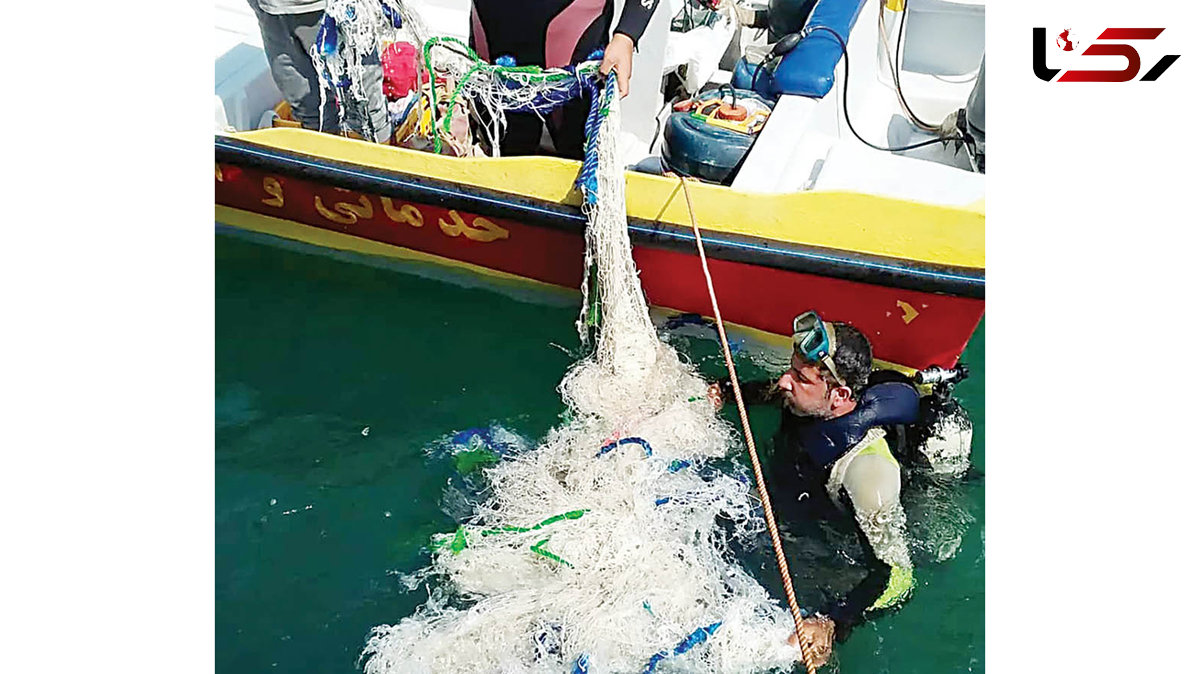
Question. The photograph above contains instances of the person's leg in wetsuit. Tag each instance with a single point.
(566, 126)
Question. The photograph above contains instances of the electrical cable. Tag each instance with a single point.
(754, 78)
(808, 30)
(894, 67)
(784, 46)
(732, 92)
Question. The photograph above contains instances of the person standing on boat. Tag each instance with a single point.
(553, 34)
(289, 30)
(832, 460)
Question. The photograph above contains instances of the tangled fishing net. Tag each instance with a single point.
(454, 82)
(492, 90)
(605, 548)
(350, 38)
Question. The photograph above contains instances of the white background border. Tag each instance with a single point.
(107, 344)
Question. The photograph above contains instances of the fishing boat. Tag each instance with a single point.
(812, 216)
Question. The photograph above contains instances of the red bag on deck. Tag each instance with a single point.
(399, 61)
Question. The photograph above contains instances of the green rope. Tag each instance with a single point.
(468, 461)
(457, 542)
(593, 313)
(530, 73)
(537, 547)
(572, 515)
(437, 141)
(454, 97)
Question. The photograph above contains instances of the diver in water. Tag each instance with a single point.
(832, 460)
(552, 34)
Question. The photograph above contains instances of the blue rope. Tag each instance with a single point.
(392, 15)
(327, 36)
(581, 665)
(587, 180)
(550, 99)
(610, 88)
(567, 90)
(563, 92)
(678, 465)
(624, 441)
(597, 111)
(486, 437)
(698, 637)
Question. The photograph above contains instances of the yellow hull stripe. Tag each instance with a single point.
(849, 221)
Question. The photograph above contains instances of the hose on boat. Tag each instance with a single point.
(894, 66)
(760, 483)
(809, 30)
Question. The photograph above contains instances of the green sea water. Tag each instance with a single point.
(336, 375)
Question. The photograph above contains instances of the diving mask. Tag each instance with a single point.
(814, 340)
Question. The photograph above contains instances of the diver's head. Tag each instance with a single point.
(830, 366)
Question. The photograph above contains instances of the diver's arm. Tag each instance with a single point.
(753, 392)
(873, 484)
(870, 594)
(635, 16)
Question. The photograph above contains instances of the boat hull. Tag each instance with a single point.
(916, 314)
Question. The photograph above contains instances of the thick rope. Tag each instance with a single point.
(588, 182)
(760, 482)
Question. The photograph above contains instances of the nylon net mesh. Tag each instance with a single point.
(605, 548)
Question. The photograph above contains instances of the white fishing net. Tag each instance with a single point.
(493, 90)
(356, 32)
(360, 31)
(606, 547)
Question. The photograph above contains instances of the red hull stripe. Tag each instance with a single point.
(788, 256)
(909, 327)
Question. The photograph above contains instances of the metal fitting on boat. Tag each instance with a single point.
(939, 375)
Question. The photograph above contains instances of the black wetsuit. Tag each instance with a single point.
(550, 34)
(799, 470)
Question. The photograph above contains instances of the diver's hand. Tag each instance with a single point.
(818, 631)
(619, 55)
(714, 395)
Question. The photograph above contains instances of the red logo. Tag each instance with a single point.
(1064, 41)
(1106, 44)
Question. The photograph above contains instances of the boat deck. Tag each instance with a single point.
(806, 145)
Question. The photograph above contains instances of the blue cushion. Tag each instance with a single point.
(808, 69)
(743, 77)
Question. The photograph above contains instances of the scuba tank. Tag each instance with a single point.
(941, 437)
(938, 435)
